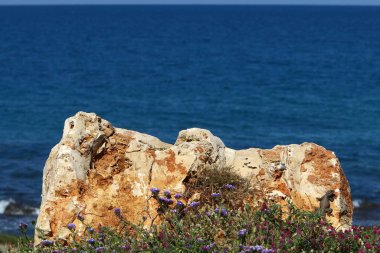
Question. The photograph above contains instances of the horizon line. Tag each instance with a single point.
(189, 4)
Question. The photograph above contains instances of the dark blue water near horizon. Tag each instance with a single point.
(256, 76)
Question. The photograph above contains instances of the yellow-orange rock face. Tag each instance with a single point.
(96, 168)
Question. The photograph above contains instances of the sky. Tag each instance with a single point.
(313, 2)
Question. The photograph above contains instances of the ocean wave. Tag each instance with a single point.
(364, 204)
(357, 203)
(11, 207)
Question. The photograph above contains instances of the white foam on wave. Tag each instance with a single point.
(4, 203)
(357, 202)
(20, 209)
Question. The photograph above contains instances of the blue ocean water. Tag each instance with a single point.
(256, 76)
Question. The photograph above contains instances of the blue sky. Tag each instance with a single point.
(334, 2)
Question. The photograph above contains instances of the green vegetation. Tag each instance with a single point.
(219, 221)
(8, 239)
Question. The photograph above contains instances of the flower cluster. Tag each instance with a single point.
(211, 224)
(194, 204)
(242, 232)
(216, 195)
(23, 227)
(178, 196)
(230, 187)
(46, 243)
(257, 248)
(71, 226)
(165, 201)
(221, 211)
(155, 191)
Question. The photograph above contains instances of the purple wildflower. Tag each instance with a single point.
(223, 212)
(117, 211)
(242, 232)
(178, 196)
(179, 204)
(206, 248)
(250, 249)
(256, 248)
(46, 243)
(165, 200)
(80, 217)
(100, 249)
(230, 187)
(216, 195)
(154, 190)
(195, 204)
(167, 194)
(126, 248)
(23, 226)
(264, 208)
(71, 226)
(91, 241)
(244, 249)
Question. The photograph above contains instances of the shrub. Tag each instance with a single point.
(219, 221)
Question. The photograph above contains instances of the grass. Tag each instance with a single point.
(8, 239)
(8, 243)
(218, 221)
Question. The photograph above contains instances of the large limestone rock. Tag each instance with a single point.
(96, 168)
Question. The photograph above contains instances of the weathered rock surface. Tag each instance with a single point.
(96, 168)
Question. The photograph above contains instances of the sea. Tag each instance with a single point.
(256, 76)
